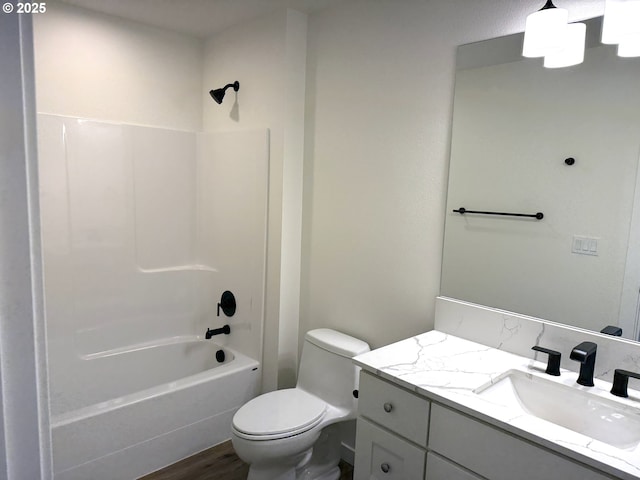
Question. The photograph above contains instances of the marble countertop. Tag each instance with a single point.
(448, 370)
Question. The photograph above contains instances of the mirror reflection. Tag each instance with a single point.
(515, 126)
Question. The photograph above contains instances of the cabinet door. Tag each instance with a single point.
(440, 469)
(381, 455)
(495, 454)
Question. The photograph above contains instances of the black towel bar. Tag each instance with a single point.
(538, 215)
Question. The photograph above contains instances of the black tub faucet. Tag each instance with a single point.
(585, 353)
(217, 331)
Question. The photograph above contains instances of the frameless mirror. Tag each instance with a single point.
(515, 126)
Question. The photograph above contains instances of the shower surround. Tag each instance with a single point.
(143, 229)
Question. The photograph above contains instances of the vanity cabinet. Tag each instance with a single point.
(402, 435)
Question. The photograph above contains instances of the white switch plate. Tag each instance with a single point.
(584, 245)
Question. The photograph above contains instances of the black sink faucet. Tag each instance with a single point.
(585, 353)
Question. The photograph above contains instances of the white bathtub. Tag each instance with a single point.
(158, 415)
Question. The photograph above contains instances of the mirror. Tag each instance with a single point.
(514, 125)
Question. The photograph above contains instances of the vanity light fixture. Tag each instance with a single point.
(572, 50)
(545, 31)
(621, 26)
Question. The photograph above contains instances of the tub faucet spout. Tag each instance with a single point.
(217, 331)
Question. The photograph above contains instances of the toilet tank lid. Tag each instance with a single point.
(337, 342)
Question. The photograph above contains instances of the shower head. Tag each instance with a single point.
(218, 93)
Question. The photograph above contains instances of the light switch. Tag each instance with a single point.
(577, 245)
(584, 245)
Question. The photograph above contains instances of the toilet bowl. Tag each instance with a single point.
(293, 434)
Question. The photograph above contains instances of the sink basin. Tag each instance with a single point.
(604, 420)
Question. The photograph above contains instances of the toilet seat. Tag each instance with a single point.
(278, 414)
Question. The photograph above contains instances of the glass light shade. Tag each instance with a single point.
(630, 46)
(621, 19)
(544, 31)
(572, 50)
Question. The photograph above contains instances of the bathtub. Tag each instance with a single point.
(172, 399)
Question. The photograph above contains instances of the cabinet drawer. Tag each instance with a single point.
(440, 469)
(381, 455)
(495, 454)
(394, 408)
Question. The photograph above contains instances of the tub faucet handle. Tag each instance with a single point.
(227, 303)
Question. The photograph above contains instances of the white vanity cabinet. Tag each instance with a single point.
(402, 435)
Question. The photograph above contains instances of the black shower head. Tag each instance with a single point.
(218, 93)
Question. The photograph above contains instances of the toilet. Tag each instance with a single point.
(294, 434)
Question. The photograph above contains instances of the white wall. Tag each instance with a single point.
(98, 66)
(267, 57)
(380, 83)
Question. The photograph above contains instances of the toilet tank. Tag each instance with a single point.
(326, 367)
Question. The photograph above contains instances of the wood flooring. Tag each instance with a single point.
(217, 463)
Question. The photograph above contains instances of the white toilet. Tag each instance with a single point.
(293, 434)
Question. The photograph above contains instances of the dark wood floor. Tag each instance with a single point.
(217, 463)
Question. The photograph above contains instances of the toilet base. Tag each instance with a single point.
(278, 473)
(324, 461)
(317, 463)
(332, 474)
(275, 473)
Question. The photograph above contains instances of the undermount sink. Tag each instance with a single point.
(583, 412)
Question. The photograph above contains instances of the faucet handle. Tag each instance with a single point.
(621, 381)
(553, 363)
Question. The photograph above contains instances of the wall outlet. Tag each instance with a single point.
(584, 245)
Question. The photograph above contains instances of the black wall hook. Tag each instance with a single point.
(227, 303)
